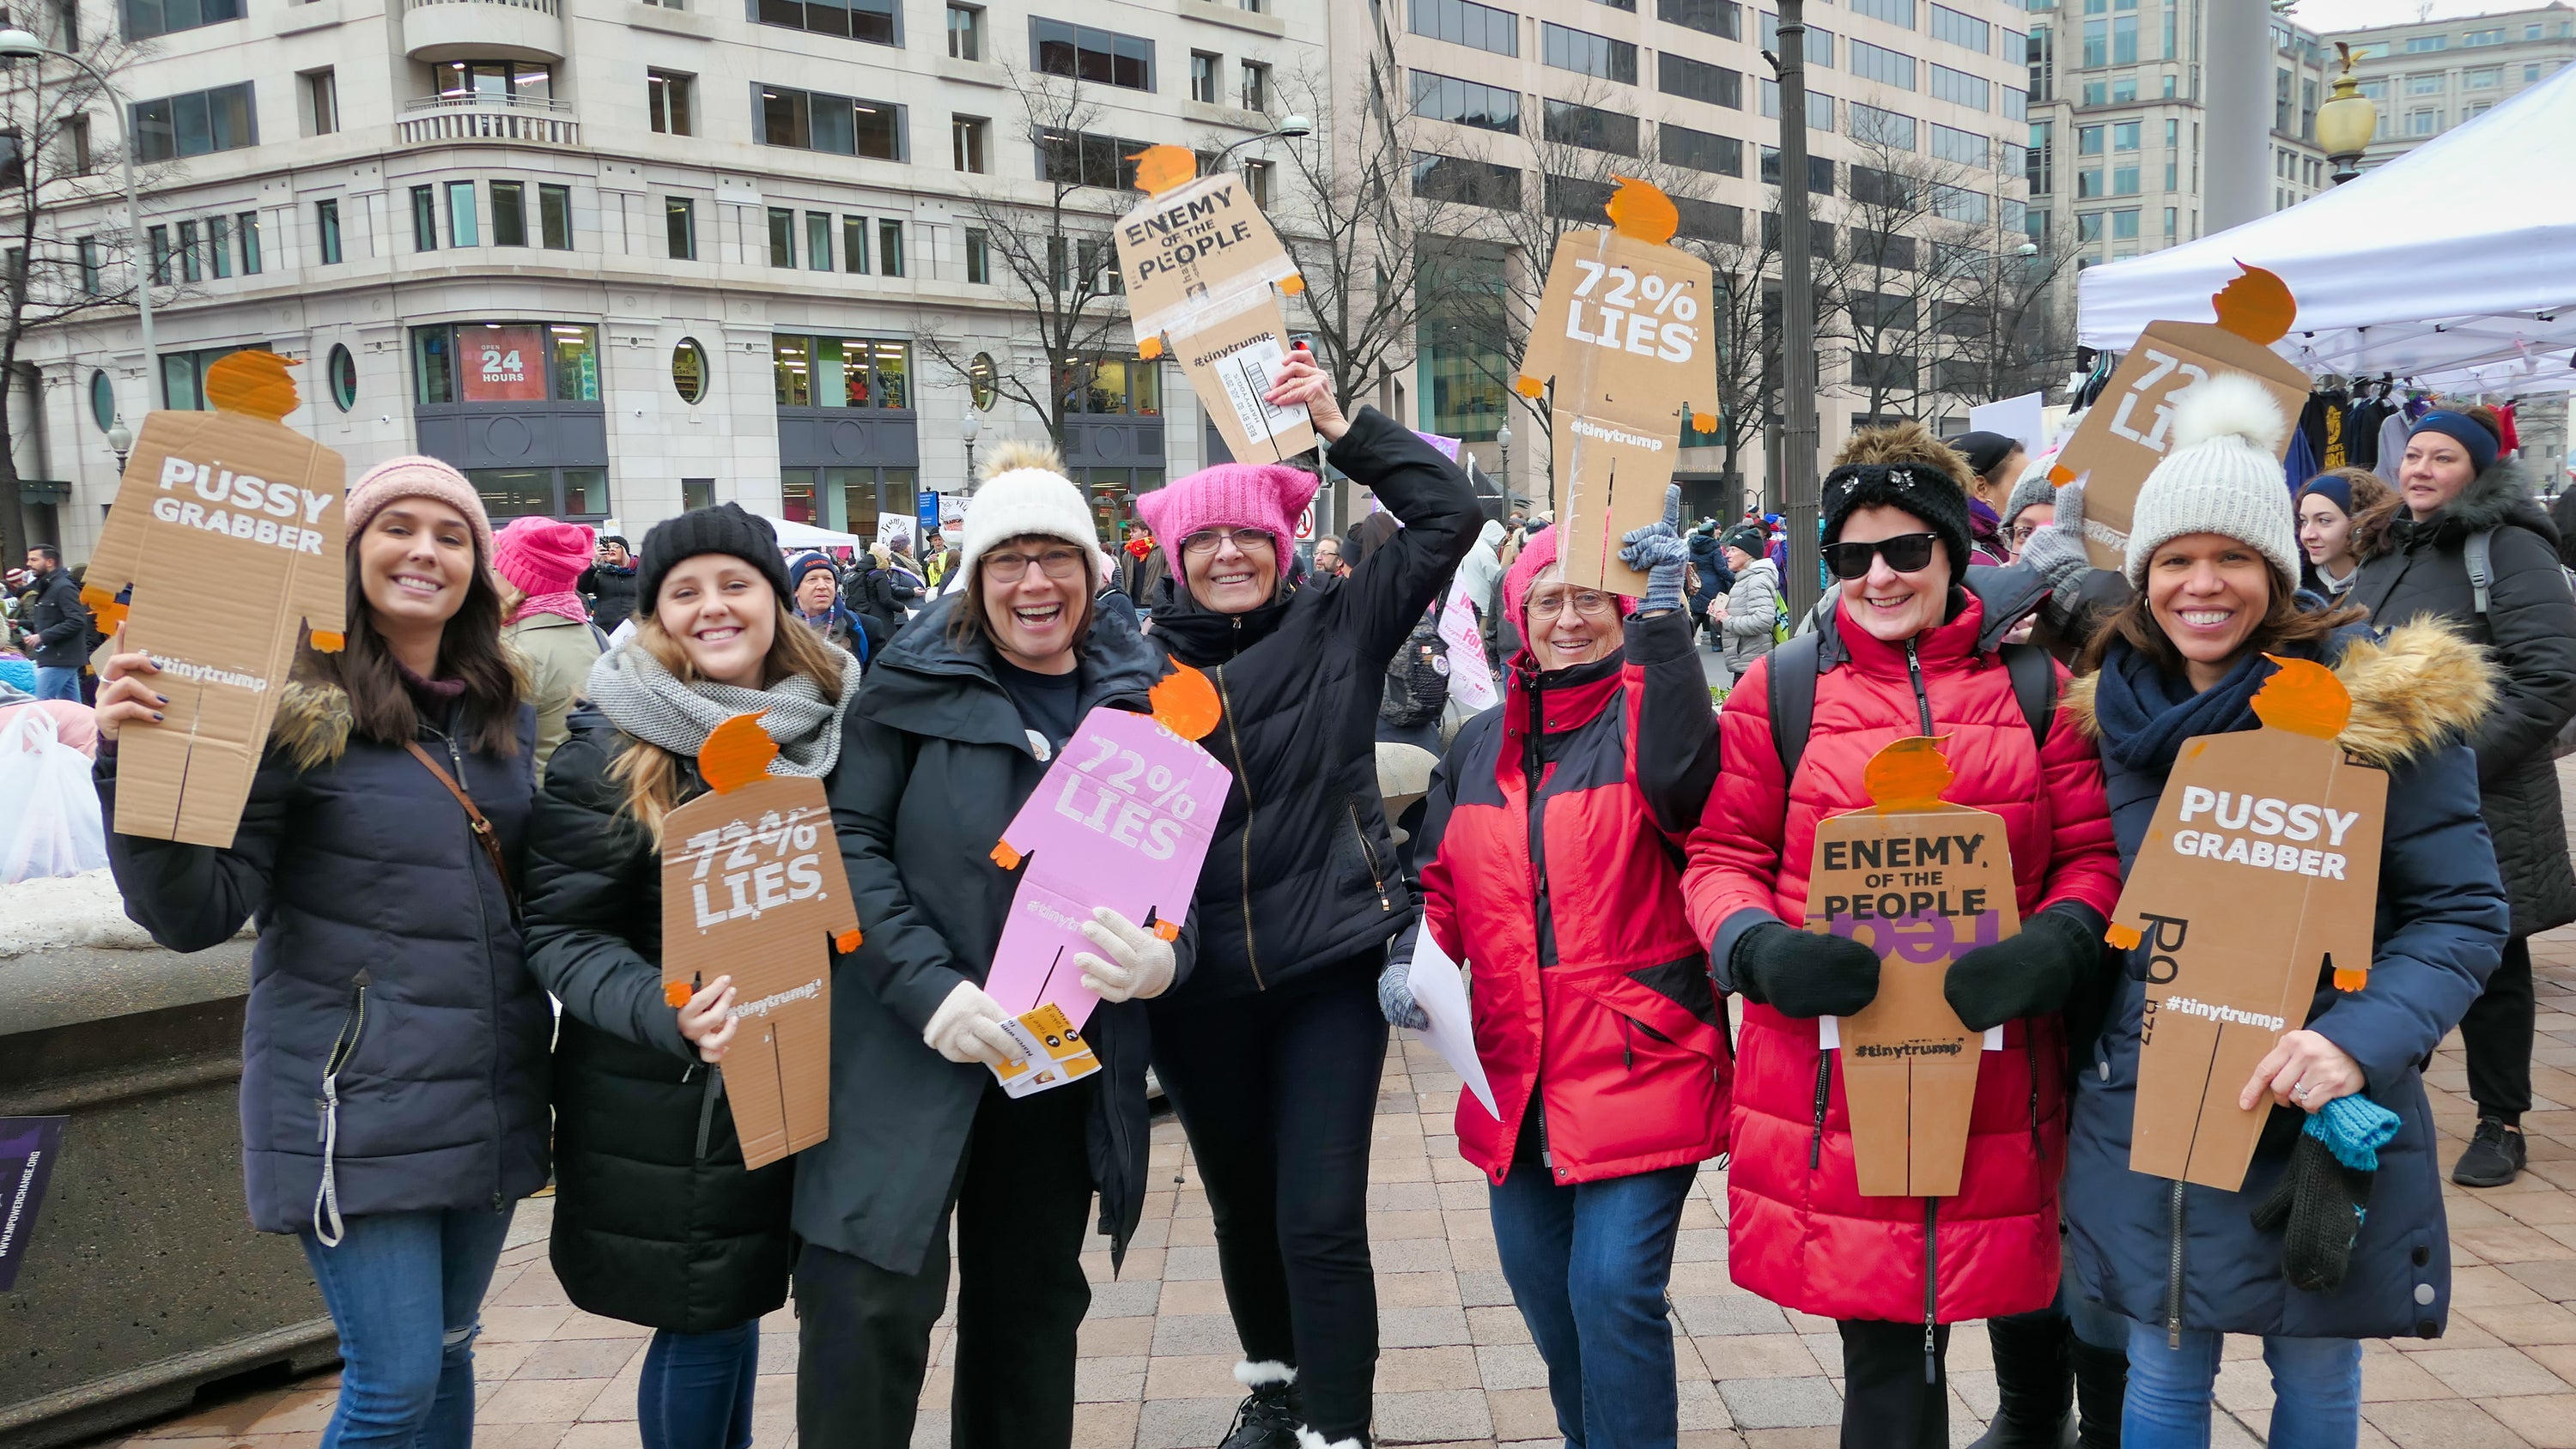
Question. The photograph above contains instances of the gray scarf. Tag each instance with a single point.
(642, 698)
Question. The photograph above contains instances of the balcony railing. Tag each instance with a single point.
(550, 7)
(487, 118)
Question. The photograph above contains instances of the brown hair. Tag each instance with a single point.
(651, 773)
(968, 623)
(469, 648)
(2283, 623)
(2374, 503)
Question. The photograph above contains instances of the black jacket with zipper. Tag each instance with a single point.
(935, 761)
(386, 945)
(1302, 873)
(656, 1221)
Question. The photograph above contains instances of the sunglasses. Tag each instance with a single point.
(1906, 553)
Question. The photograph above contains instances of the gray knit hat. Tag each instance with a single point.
(2223, 475)
(2034, 487)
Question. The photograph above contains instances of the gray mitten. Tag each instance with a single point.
(1659, 552)
(2057, 549)
(1395, 997)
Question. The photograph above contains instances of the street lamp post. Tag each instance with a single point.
(1290, 128)
(120, 441)
(967, 428)
(1503, 439)
(20, 44)
(1797, 310)
(2346, 122)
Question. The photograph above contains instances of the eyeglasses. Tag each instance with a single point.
(1055, 563)
(1245, 540)
(1586, 602)
(1906, 553)
(2021, 532)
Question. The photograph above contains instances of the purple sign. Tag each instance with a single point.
(28, 1147)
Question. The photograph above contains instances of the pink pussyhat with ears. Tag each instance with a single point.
(1534, 558)
(1266, 496)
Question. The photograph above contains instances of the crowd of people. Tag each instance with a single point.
(460, 815)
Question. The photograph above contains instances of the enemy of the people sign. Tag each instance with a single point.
(1203, 267)
(1122, 819)
(2259, 875)
(232, 495)
(2124, 435)
(752, 887)
(1921, 883)
(1621, 329)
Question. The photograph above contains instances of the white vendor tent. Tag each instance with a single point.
(806, 535)
(2453, 265)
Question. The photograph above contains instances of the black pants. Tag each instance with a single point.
(1279, 1096)
(1887, 1404)
(2496, 1035)
(1022, 1204)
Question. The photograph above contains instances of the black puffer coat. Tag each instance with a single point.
(60, 623)
(934, 763)
(380, 918)
(656, 1220)
(2418, 569)
(1302, 873)
(612, 594)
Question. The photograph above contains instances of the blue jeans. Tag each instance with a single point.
(58, 683)
(1588, 1264)
(2316, 1390)
(696, 1392)
(406, 1291)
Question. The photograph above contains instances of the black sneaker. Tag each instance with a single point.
(1266, 1419)
(2495, 1156)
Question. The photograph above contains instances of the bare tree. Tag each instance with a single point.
(61, 259)
(1050, 252)
(1910, 217)
(2009, 330)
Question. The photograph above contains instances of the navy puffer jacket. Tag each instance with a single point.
(2172, 1254)
(382, 929)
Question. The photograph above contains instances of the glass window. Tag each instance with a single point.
(979, 257)
(689, 370)
(219, 245)
(782, 237)
(1472, 103)
(102, 400)
(89, 266)
(321, 102)
(965, 32)
(966, 142)
(1699, 150)
(196, 124)
(1256, 86)
(1583, 52)
(1871, 125)
(523, 82)
(1887, 67)
(1679, 75)
(509, 213)
(1722, 18)
(1203, 76)
(424, 219)
(1957, 28)
(838, 372)
(818, 241)
(1464, 22)
(183, 374)
(981, 387)
(666, 95)
(820, 121)
(1468, 182)
(191, 264)
(554, 216)
(1591, 128)
(506, 362)
(343, 374)
(869, 20)
(463, 230)
(147, 18)
(854, 243)
(680, 227)
(326, 225)
(1958, 87)
(2124, 135)
(1097, 57)
(1894, 12)
(889, 247)
(1086, 158)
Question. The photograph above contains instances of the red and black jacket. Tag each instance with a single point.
(1553, 865)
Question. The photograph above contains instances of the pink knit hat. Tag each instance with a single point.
(1534, 558)
(1266, 496)
(540, 556)
(417, 477)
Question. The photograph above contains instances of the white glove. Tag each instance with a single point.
(1140, 963)
(967, 1027)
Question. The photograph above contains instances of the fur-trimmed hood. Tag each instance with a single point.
(2419, 688)
(312, 723)
(2499, 496)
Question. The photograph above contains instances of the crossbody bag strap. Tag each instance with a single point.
(483, 831)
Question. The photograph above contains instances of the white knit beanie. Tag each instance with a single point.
(1025, 492)
(2223, 475)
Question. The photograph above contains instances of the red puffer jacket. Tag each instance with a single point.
(1590, 988)
(1800, 1233)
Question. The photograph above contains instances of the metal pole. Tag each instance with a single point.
(1797, 316)
(133, 216)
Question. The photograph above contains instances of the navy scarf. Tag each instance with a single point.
(2145, 714)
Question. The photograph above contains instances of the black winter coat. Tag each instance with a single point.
(383, 930)
(2420, 569)
(1302, 873)
(612, 593)
(60, 622)
(934, 763)
(656, 1220)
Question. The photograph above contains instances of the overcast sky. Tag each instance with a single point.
(2329, 16)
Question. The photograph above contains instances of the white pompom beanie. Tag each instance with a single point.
(2223, 475)
(1024, 493)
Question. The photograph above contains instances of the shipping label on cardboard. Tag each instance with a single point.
(1122, 819)
(1621, 330)
(1921, 886)
(2258, 874)
(752, 888)
(1052, 1053)
(1204, 269)
(232, 495)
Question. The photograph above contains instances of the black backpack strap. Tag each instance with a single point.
(1792, 688)
(2034, 682)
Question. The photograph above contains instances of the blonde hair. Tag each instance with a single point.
(651, 773)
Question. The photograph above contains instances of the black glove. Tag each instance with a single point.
(2322, 1201)
(1800, 973)
(2028, 974)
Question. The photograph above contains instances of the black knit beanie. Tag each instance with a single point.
(724, 529)
(1919, 488)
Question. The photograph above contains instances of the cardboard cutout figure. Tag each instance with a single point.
(1122, 819)
(1204, 269)
(1921, 883)
(237, 497)
(2260, 871)
(752, 886)
(1619, 330)
(2124, 436)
